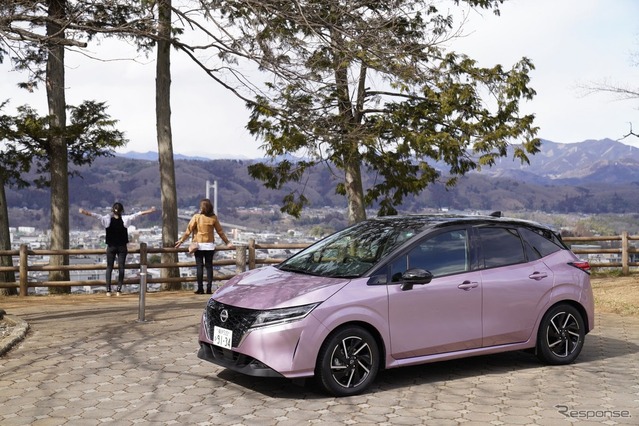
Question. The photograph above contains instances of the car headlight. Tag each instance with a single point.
(278, 316)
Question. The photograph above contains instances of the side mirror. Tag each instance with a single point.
(415, 276)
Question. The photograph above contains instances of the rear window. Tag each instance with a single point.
(539, 243)
(501, 246)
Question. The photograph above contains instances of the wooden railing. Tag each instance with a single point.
(623, 249)
(245, 257)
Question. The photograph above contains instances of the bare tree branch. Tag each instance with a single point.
(630, 133)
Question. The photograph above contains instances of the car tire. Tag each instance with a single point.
(348, 361)
(561, 335)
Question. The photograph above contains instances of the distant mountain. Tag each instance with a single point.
(149, 155)
(569, 163)
(153, 156)
(556, 162)
(587, 177)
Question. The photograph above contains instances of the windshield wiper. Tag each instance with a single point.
(298, 270)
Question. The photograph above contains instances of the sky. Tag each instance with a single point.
(572, 43)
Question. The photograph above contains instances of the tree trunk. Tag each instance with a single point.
(5, 244)
(351, 159)
(57, 145)
(165, 142)
(351, 162)
(354, 190)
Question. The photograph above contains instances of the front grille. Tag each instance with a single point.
(239, 319)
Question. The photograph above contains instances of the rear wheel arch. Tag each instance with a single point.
(576, 305)
(561, 333)
(583, 313)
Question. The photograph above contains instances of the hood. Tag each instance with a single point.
(270, 288)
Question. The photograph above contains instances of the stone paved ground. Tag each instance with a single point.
(87, 360)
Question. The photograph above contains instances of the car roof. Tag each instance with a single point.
(442, 219)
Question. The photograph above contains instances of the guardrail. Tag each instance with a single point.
(245, 256)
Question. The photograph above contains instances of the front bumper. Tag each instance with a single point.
(235, 361)
(282, 350)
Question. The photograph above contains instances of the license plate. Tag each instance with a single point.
(222, 337)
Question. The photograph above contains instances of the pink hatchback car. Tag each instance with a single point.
(402, 290)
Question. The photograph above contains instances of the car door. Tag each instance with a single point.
(515, 286)
(443, 315)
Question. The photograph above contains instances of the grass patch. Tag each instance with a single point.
(616, 294)
(607, 273)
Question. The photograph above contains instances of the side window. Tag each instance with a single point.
(397, 268)
(539, 243)
(501, 246)
(441, 254)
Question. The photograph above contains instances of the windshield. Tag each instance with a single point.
(353, 251)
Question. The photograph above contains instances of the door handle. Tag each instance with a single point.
(537, 276)
(467, 285)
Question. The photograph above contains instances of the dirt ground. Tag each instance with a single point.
(613, 294)
(619, 295)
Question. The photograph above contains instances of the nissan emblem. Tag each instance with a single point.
(224, 315)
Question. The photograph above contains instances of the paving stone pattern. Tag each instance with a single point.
(91, 362)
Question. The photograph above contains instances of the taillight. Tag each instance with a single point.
(581, 264)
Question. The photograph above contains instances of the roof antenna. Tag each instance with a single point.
(496, 214)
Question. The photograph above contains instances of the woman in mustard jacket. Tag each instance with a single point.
(202, 228)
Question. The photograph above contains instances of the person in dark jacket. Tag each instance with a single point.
(117, 237)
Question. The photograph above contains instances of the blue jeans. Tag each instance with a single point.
(111, 253)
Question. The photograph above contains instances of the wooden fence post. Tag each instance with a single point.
(251, 254)
(240, 259)
(24, 270)
(143, 264)
(625, 268)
